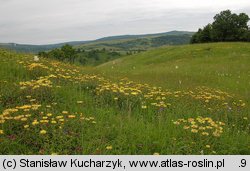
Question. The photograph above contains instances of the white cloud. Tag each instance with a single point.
(50, 21)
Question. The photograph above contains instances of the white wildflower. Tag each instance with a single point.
(36, 58)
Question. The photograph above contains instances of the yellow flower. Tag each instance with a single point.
(1, 132)
(24, 119)
(191, 120)
(144, 107)
(61, 120)
(23, 107)
(194, 130)
(53, 154)
(43, 132)
(186, 127)
(65, 112)
(49, 114)
(79, 102)
(44, 121)
(156, 154)
(205, 133)
(26, 126)
(59, 117)
(208, 146)
(194, 126)
(35, 122)
(53, 122)
(134, 93)
(109, 147)
(216, 134)
(71, 116)
(177, 123)
(202, 128)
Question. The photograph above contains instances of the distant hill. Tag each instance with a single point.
(121, 43)
(27, 48)
(139, 42)
(122, 37)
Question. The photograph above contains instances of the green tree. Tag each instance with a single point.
(229, 27)
(42, 54)
(56, 54)
(205, 35)
(83, 60)
(196, 38)
(247, 36)
(69, 53)
(226, 26)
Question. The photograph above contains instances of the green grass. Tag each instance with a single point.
(203, 81)
(218, 65)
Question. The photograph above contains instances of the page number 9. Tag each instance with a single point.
(243, 163)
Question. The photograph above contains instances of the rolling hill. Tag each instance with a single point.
(139, 42)
(219, 65)
(123, 42)
(27, 48)
(189, 99)
(127, 37)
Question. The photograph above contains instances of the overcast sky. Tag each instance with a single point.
(53, 21)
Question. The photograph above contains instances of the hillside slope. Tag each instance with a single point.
(51, 107)
(218, 65)
(127, 37)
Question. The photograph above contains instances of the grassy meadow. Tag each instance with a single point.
(190, 99)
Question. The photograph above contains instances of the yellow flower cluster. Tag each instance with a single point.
(27, 115)
(32, 66)
(19, 113)
(204, 126)
(127, 90)
(40, 82)
(157, 97)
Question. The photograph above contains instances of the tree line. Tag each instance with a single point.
(65, 53)
(226, 27)
(69, 54)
